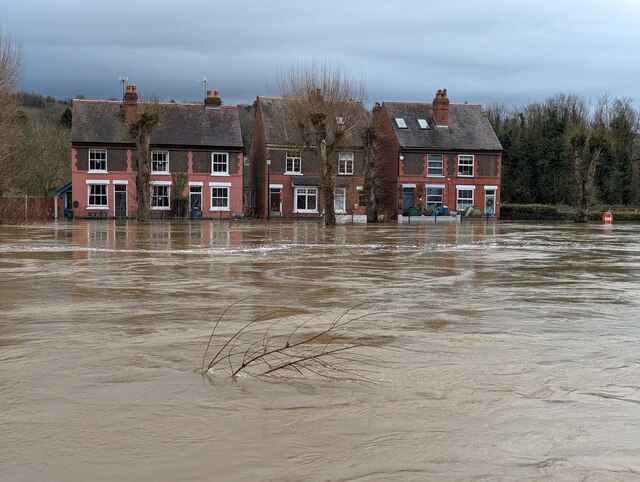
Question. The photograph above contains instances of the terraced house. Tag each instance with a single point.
(200, 140)
(439, 154)
(285, 178)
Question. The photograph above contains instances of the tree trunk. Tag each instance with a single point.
(143, 179)
(326, 183)
(584, 180)
(369, 172)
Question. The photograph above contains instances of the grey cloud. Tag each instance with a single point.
(497, 50)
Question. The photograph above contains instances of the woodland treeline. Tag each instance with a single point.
(35, 155)
(538, 158)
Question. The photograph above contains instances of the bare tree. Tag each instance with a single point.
(325, 110)
(588, 143)
(370, 172)
(11, 63)
(43, 156)
(140, 129)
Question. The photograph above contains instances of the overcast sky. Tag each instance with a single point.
(482, 51)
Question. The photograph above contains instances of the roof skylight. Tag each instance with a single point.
(401, 123)
(423, 123)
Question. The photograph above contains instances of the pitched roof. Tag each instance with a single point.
(280, 129)
(183, 124)
(468, 127)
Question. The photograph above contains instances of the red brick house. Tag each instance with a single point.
(284, 180)
(202, 141)
(438, 154)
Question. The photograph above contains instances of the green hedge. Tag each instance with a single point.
(536, 212)
(549, 212)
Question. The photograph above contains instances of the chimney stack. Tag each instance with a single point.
(213, 100)
(130, 103)
(441, 108)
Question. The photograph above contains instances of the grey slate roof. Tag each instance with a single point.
(468, 127)
(184, 124)
(281, 130)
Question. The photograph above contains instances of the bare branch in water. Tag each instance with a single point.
(330, 347)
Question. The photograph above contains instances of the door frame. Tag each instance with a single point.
(121, 187)
(273, 189)
(494, 195)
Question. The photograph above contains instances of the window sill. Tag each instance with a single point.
(156, 208)
(345, 174)
(219, 209)
(98, 208)
(160, 173)
(220, 174)
(305, 211)
(293, 174)
(435, 175)
(465, 175)
(98, 172)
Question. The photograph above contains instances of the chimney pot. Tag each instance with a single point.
(441, 108)
(213, 100)
(130, 103)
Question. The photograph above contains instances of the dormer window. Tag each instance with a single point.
(423, 123)
(401, 123)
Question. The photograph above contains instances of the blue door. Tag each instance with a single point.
(408, 194)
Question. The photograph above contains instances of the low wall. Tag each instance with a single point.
(428, 219)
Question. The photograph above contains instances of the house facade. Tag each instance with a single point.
(201, 142)
(438, 154)
(284, 178)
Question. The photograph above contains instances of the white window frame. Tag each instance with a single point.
(434, 160)
(294, 159)
(90, 185)
(464, 188)
(306, 191)
(340, 192)
(154, 186)
(345, 163)
(95, 151)
(165, 161)
(423, 124)
(220, 185)
(468, 160)
(217, 162)
(426, 194)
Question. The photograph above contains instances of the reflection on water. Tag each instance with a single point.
(513, 354)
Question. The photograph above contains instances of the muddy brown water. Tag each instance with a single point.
(512, 351)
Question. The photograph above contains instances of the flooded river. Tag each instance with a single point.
(511, 351)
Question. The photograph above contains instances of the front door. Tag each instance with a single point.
(490, 202)
(195, 201)
(120, 200)
(408, 194)
(275, 201)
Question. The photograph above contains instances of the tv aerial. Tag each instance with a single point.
(123, 79)
(204, 82)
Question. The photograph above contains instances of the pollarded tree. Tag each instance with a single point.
(326, 110)
(140, 129)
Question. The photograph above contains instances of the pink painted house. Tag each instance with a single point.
(203, 141)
